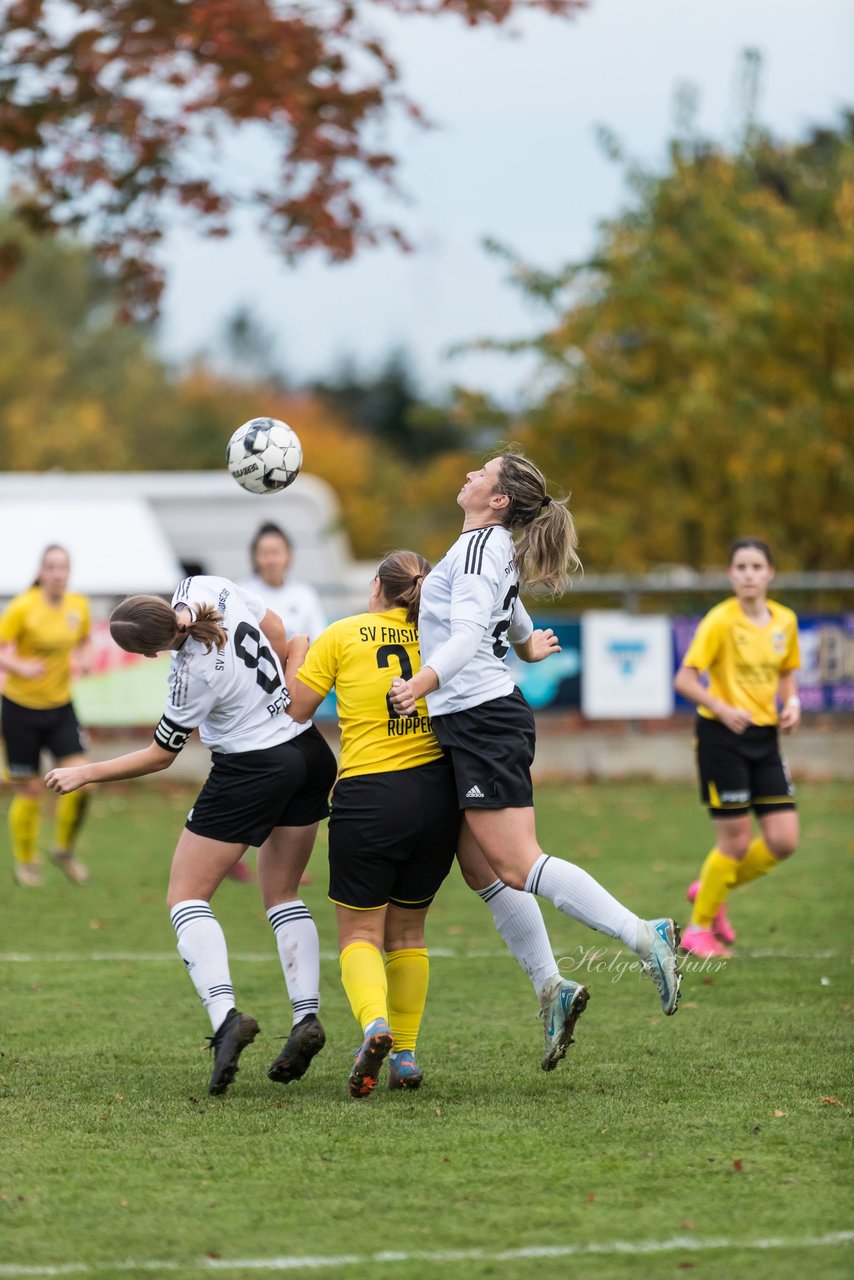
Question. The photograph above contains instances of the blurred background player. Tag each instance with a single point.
(749, 647)
(297, 604)
(268, 787)
(470, 615)
(44, 632)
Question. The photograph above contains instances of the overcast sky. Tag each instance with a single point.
(515, 158)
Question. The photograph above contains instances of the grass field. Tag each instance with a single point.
(718, 1141)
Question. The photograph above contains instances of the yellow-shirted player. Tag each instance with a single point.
(40, 631)
(395, 819)
(749, 647)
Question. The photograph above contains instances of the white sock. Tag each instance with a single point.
(299, 952)
(201, 945)
(577, 894)
(520, 922)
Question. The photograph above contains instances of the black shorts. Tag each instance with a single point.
(27, 732)
(492, 750)
(741, 771)
(248, 793)
(392, 836)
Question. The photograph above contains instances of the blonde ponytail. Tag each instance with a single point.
(546, 546)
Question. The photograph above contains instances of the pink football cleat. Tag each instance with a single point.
(721, 926)
(703, 943)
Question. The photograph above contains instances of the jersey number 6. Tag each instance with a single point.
(499, 648)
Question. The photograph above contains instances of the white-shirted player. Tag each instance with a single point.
(470, 615)
(297, 604)
(268, 786)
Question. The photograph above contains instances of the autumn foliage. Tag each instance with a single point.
(117, 113)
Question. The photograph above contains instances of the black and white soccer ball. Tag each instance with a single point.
(264, 455)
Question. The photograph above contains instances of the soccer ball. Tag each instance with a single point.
(264, 455)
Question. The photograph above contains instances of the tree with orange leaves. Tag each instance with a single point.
(117, 112)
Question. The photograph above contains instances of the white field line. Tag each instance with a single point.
(602, 956)
(326, 1262)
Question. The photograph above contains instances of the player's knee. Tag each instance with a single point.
(513, 878)
(782, 847)
(735, 847)
(476, 879)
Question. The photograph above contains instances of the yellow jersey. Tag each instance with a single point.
(745, 660)
(48, 632)
(360, 656)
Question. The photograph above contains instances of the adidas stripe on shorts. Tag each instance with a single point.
(491, 747)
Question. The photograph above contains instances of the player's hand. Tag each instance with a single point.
(401, 697)
(65, 780)
(790, 717)
(736, 718)
(30, 668)
(543, 644)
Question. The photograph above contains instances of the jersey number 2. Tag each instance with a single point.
(269, 683)
(384, 654)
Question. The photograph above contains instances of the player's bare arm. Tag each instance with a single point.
(304, 701)
(152, 759)
(26, 668)
(274, 631)
(790, 715)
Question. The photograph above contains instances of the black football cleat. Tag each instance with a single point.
(306, 1040)
(238, 1030)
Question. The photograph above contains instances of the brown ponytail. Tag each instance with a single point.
(401, 575)
(206, 628)
(147, 624)
(546, 546)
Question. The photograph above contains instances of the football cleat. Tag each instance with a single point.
(375, 1048)
(306, 1040)
(226, 1044)
(560, 1011)
(76, 872)
(27, 874)
(403, 1071)
(658, 943)
(703, 943)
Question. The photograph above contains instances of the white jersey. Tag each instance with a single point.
(476, 582)
(296, 603)
(236, 696)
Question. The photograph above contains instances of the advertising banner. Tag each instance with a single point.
(627, 671)
(555, 683)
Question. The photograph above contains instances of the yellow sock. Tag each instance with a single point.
(716, 879)
(363, 976)
(408, 974)
(69, 817)
(24, 827)
(758, 861)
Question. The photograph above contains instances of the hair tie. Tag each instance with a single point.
(545, 502)
(417, 578)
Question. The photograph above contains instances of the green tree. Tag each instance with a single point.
(77, 392)
(701, 364)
